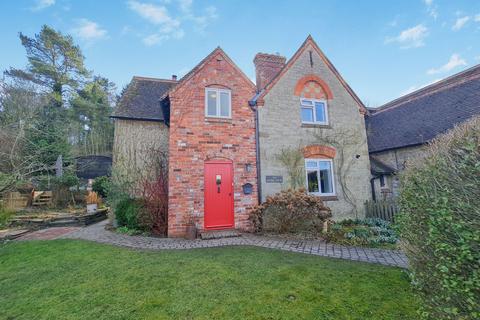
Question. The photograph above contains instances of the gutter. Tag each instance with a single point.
(253, 105)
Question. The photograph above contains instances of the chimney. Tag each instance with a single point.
(174, 77)
(267, 66)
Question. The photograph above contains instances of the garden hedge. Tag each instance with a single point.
(439, 224)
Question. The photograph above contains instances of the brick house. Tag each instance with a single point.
(205, 123)
(307, 111)
(399, 131)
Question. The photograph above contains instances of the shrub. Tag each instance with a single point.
(5, 215)
(127, 212)
(101, 185)
(439, 224)
(290, 211)
(154, 217)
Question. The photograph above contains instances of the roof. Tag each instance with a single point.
(378, 167)
(293, 59)
(420, 116)
(141, 99)
(200, 65)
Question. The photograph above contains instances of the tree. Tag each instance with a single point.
(90, 108)
(55, 63)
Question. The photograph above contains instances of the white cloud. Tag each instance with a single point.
(415, 88)
(42, 4)
(454, 62)
(155, 14)
(431, 8)
(477, 18)
(159, 38)
(460, 23)
(477, 58)
(410, 38)
(88, 30)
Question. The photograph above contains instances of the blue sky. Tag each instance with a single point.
(382, 48)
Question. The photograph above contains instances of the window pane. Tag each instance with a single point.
(307, 115)
(311, 164)
(211, 103)
(312, 181)
(224, 104)
(307, 102)
(326, 184)
(320, 111)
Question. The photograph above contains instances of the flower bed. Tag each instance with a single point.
(371, 232)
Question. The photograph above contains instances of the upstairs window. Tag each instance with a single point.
(314, 111)
(218, 103)
(320, 177)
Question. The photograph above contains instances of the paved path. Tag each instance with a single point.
(48, 234)
(98, 233)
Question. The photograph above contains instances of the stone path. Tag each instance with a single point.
(98, 233)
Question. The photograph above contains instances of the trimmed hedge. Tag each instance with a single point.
(439, 224)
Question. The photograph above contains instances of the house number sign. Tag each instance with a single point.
(274, 179)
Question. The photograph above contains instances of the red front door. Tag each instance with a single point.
(218, 195)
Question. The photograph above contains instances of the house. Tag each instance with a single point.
(400, 130)
(311, 130)
(206, 126)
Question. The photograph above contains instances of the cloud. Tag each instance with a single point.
(477, 18)
(415, 88)
(159, 38)
(431, 8)
(42, 4)
(88, 30)
(454, 62)
(460, 23)
(155, 14)
(410, 38)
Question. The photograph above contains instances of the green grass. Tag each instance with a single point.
(67, 279)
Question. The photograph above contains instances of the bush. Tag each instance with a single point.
(439, 224)
(5, 215)
(101, 185)
(154, 217)
(127, 212)
(290, 211)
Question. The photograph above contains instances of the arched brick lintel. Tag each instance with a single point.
(319, 151)
(311, 77)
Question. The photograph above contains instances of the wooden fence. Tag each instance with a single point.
(382, 209)
(16, 200)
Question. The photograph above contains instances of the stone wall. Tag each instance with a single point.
(195, 138)
(136, 143)
(281, 127)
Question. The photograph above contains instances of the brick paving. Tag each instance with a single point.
(98, 233)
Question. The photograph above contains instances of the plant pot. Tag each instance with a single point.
(91, 208)
(191, 233)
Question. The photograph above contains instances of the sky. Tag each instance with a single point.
(383, 49)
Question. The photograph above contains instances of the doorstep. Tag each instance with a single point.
(218, 234)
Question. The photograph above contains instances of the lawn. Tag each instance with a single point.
(67, 279)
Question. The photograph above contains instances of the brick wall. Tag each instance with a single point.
(195, 139)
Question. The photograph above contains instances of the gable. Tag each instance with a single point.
(315, 64)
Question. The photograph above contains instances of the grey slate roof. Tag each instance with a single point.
(141, 99)
(420, 116)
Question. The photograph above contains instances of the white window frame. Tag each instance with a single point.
(218, 91)
(314, 111)
(319, 193)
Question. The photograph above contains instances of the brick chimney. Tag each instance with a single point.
(174, 77)
(267, 66)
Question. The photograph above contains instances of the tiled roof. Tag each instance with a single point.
(141, 99)
(420, 116)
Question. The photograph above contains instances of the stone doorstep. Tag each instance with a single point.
(9, 234)
(219, 234)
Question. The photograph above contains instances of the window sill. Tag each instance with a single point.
(328, 198)
(314, 125)
(218, 120)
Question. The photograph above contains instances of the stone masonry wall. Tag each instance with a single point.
(194, 138)
(281, 127)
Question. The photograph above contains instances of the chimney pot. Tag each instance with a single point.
(174, 77)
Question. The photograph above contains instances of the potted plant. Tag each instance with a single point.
(191, 233)
(92, 200)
